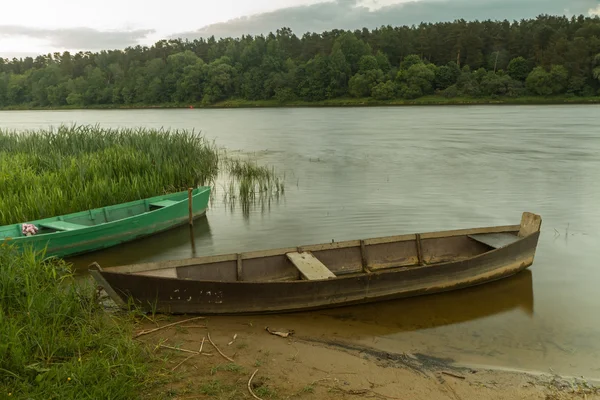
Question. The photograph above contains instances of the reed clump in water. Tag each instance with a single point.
(57, 342)
(52, 172)
(251, 184)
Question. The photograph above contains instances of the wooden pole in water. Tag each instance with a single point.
(190, 208)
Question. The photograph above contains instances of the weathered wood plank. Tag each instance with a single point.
(309, 266)
(496, 240)
(239, 267)
(530, 223)
(419, 249)
(363, 257)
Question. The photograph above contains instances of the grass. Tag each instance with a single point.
(57, 342)
(230, 367)
(47, 173)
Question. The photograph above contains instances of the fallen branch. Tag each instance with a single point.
(453, 375)
(166, 326)
(184, 350)
(233, 340)
(201, 345)
(175, 367)
(178, 349)
(215, 346)
(194, 326)
(250, 386)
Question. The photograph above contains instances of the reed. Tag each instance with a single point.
(51, 172)
(57, 341)
(250, 184)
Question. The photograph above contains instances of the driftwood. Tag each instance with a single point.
(175, 367)
(232, 340)
(453, 375)
(192, 355)
(250, 386)
(184, 350)
(215, 346)
(279, 333)
(165, 326)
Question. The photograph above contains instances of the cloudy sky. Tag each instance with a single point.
(40, 26)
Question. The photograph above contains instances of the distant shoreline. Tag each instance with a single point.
(339, 102)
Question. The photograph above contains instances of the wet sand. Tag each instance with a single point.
(329, 365)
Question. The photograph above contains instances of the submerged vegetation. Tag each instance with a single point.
(549, 56)
(57, 342)
(53, 172)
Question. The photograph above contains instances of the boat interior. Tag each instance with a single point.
(95, 216)
(331, 260)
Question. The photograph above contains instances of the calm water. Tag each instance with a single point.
(357, 173)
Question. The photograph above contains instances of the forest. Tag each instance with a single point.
(545, 56)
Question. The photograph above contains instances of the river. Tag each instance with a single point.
(355, 173)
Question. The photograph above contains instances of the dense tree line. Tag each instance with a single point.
(549, 55)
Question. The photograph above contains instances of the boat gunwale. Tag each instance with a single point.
(95, 267)
(198, 192)
(161, 265)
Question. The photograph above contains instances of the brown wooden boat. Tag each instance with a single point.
(326, 275)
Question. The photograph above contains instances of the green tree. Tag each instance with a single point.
(416, 81)
(353, 49)
(367, 63)
(384, 91)
(519, 69)
(361, 85)
(447, 75)
(325, 65)
(596, 72)
(220, 81)
(539, 82)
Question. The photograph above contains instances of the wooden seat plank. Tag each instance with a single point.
(62, 225)
(309, 266)
(495, 240)
(163, 203)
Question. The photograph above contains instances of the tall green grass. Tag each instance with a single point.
(55, 340)
(52, 172)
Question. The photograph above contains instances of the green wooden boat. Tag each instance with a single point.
(96, 229)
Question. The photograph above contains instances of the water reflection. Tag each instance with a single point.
(425, 312)
(153, 248)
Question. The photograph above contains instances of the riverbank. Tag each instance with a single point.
(247, 360)
(67, 341)
(338, 102)
(57, 342)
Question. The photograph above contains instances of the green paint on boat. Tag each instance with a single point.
(99, 228)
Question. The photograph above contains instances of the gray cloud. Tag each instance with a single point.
(346, 14)
(78, 38)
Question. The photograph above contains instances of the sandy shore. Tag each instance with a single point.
(305, 366)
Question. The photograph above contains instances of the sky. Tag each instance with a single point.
(29, 28)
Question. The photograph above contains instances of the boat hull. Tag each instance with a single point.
(104, 235)
(176, 295)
